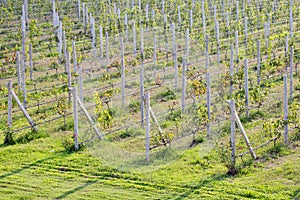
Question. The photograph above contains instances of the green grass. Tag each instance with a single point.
(42, 169)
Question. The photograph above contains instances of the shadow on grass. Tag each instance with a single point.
(25, 167)
(75, 189)
(62, 154)
(191, 189)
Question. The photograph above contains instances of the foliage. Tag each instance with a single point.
(258, 94)
(202, 113)
(273, 128)
(134, 106)
(31, 135)
(165, 96)
(62, 107)
(294, 113)
(224, 152)
(104, 116)
(197, 87)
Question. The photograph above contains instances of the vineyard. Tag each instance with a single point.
(149, 99)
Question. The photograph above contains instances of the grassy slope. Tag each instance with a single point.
(42, 170)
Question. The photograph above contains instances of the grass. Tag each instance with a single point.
(42, 169)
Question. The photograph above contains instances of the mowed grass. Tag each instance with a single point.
(42, 169)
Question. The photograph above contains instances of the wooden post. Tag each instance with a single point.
(166, 39)
(215, 13)
(23, 109)
(206, 52)
(291, 72)
(86, 17)
(79, 11)
(122, 73)
(74, 56)
(54, 13)
(246, 87)
(285, 104)
(175, 57)
(142, 93)
(232, 132)
(75, 114)
(237, 46)
(187, 46)
(107, 51)
(126, 26)
(64, 48)
(23, 85)
(218, 41)
(154, 58)
(19, 72)
(89, 118)
(147, 126)
(134, 38)
(191, 19)
(246, 31)
(80, 84)
(101, 42)
(26, 11)
(238, 121)
(231, 68)
(183, 85)
(30, 62)
(23, 26)
(93, 34)
(9, 105)
(258, 62)
(227, 24)
(208, 103)
(69, 75)
(203, 19)
(286, 46)
(60, 38)
(83, 16)
(23, 60)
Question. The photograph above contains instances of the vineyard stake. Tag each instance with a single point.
(75, 114)
(246, 87)
(237, 47)
(80, 83)
(285, 103)
(86, 113)
(19, 71)
(183, 85)
(147, 96)
(69, 75)
(239, 123)
(30, 62)
(122, 73)
(154, 58)
(107, 50)
(258, 62)
(187, 46)
(291, 72)
(232, 132)
(64, 47)
(23, 109)
(134, 38)
(74, 56)
(231, 68)
(9, 105)
(208, 103)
